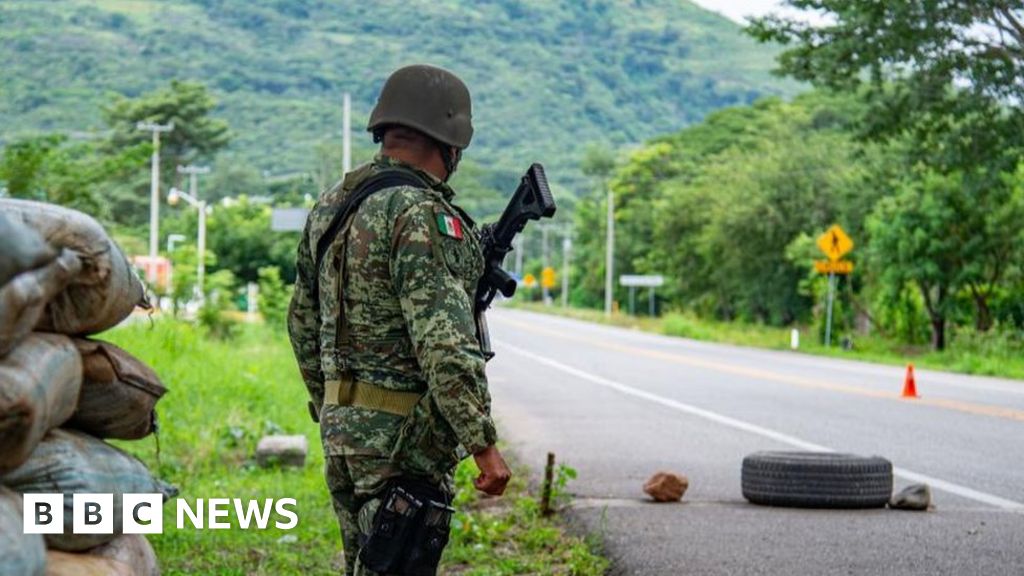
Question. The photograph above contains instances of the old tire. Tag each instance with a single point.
(817, 480)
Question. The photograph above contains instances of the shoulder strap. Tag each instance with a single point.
(384, 179)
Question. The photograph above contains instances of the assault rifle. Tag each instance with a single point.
(531, 201)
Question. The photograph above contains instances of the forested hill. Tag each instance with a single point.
(547, 76)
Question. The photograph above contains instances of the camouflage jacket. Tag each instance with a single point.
(412, 262)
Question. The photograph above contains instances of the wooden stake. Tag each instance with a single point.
(549, 473)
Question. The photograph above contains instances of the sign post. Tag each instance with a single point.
(835, 244)
(634, 282)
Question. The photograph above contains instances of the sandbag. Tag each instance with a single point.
(107, 289)
(23, 299)
(39, 384)
(118, 393)
(128, 555)
(69, 462)
(20, 554)
(21, 249)
(67, 564)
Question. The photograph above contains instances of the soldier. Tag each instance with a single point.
(381, 322)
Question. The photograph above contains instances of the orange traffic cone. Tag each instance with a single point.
(909, 386)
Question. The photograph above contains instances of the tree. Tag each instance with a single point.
(925, 45)
(74, 174)
(914, 241)
(239, 233)
(943, 81)
(935, 72)
(274, 297)
(196, 135)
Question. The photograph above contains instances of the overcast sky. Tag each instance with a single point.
(738, 9)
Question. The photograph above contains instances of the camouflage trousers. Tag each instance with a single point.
(357, 485)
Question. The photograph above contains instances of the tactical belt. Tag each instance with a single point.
(370, 396)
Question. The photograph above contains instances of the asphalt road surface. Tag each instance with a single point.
(618, 405)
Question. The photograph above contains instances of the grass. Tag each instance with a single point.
(969, 353)
(223, 396)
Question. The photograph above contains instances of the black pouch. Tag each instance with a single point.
(430, 538)
(410, 529)
(394, 525)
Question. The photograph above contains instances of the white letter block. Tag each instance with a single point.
(43, 513)
(142, 514)
(92, 514)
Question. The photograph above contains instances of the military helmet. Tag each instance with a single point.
(429, 99)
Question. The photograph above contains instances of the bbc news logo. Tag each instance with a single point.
(144, 513)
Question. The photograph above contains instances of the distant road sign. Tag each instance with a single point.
(833, 267)
(645, 281)
(835, 243)
(288, 219)
(530, 281)
(547, 277)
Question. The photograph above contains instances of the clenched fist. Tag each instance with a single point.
(494, 473)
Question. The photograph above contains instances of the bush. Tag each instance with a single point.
(274, 297)
(676, 324)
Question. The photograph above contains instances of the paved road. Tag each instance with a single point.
(618, 405)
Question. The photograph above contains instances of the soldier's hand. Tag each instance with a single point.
(494, 473)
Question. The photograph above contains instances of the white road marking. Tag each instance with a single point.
(950, 487)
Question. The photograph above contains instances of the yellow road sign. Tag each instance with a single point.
(547, 277)
(530, 281)
(835, 243)
(833, 266)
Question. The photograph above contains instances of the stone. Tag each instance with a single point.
(667, 487)
(914, 497)
(279, 450)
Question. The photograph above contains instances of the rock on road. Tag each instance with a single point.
(618, 405)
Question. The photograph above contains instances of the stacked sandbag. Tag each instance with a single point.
(105, 291)
(32, 273)
(20, 554)
(119, 393)
(68, 462)
(23, 249)
(127, 555)
(62, 278)
(39, 384)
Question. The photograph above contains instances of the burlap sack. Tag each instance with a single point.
(128, 555)
(20, 554)
(39, 384)
(21, 249)
(69, 462)
(107, 289)
(67, 564)
(23, 299)
(118, 393)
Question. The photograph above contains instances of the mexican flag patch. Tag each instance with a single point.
(449, 225)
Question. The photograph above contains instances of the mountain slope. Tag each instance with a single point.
(547, 77)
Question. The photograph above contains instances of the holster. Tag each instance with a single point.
(410, 529)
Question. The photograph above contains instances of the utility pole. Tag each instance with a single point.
(154, 193)
(346, 134)
(609, 258)
(520, 245)
(193, 188)
(831, 297)
(544, 256)
(566, 248)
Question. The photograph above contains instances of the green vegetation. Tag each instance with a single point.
(223, 397)
(912, 143)
(546, 75)
(970, 353)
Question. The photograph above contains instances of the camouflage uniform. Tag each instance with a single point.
(408, 326)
